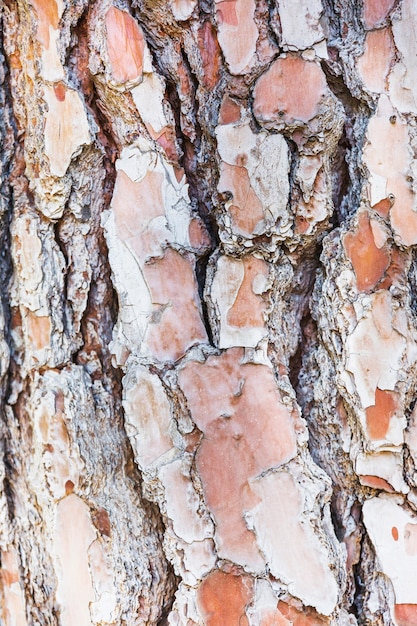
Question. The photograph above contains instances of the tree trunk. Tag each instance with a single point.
(208, 313)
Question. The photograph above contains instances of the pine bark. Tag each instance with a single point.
(208, 313)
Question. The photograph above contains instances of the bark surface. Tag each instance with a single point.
(208, 357)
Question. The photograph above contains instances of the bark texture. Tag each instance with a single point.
(208, 357)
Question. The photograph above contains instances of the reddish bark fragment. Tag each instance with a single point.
(60, 91)
(229, 111)
(125, 45)
(296, 617)
(47, 11)
(246, 210)
(396, 270)
(274, 618)
(376, 483)
(249, 308)
(247, 429)
(405, 614)
(237, 33)
(377, 58)
(383, 206)
(101, 521)
(69, 487)
(199, 237)
(378, 417)
(176, 321)
(210, 55)
(223, 598)
(369, 262)
(291, 89)
(167, 141)
(39, 330)
(374, 11)
(226, 13)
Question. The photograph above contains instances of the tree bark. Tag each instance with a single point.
(208, 313)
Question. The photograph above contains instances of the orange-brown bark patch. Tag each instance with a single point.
(274, 618)
(166, 140)
(297, 617)
(291, 89)
(396, 271)
(39, 330)
(246, 210)
(376, 483)
(69, 487)
(248, 308)
(226, 13)
(9, 571)
(374, 11)
(176, 324)
(47, 11)
(382, 207)
(60, 91)
(377, 58)
(229, 111)
(223, 598)
(369, 262)
(199, 237)
(302, 225)
(125, 45)
(379, 415)
(247, 429)
(101, 521)
(405, 614)
(210, 55)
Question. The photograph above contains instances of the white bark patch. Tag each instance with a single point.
(393, 531)
(148, 97)
(102, 567)
(294, 553)
(376, 348)
(264, 160)
(239, 312)
(73, 535)
(37, 290)
(58, 459)
(52, 69)
(66, 129)
(182, 9)
(387, 465)
(237, 33)
(147, 415)
(404, 35)
(300, 23)
(182, 503)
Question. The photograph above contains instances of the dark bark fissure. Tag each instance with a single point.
(9, 168)
(346, 171)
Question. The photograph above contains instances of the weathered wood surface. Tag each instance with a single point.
(208, 313)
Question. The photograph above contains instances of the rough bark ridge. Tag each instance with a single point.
(207, 348)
